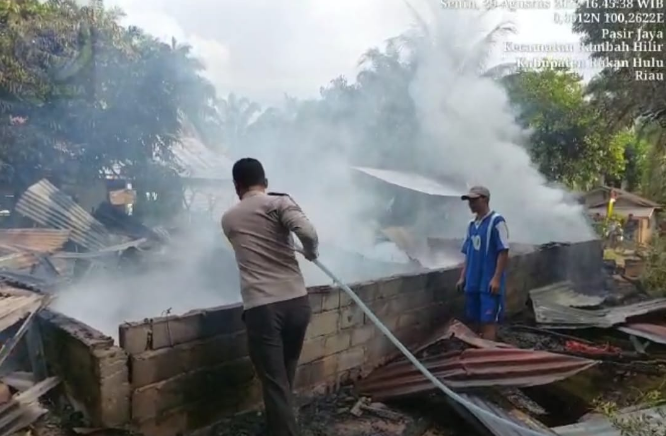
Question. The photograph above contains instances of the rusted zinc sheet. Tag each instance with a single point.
(48, 206)
(559, 316)
(473, 368)
(495, 426)
(413, 182)
(654, 417)
(653, 332)
(39, 240)
(563, 294)
(458, 330)
(197, 161)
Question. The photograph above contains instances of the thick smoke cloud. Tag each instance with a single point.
(460, 130)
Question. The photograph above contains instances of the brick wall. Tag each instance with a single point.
(184, 372)
(187, 371)
(94, 370)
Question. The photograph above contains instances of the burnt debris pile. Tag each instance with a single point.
(576, 363)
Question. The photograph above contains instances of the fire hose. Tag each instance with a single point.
(426, 373)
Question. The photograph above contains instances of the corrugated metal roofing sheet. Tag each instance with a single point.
(633, 198)
(558, 306)
(47, 205)
(414, 182)
(557, 316)
(563, 294)
(600, 426)
(653, 332)
(199, 162)
(513, 415)
(458, 330)
(41, 240)
(637, 212)
(473, 368)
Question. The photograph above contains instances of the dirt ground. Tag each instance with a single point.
(331, 416)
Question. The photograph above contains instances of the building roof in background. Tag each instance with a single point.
(412, 182)
(199, 162)
(628, 196)
(637, 212)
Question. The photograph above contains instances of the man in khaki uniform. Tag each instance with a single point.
(275, 300)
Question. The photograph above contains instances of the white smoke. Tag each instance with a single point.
(472, 135)
(467, 135)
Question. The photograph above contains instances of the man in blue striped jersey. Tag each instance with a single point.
(483, 276)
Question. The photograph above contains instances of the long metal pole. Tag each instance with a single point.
(434, 380)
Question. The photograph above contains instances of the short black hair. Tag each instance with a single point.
(248, 172)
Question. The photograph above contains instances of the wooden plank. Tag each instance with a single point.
(157, 365)
(36, 352)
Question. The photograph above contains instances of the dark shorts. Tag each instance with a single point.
(484, 307)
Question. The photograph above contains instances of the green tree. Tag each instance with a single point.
(236, 114)
(81, 95)
(620, 89)
(636, 151)
(568, 140)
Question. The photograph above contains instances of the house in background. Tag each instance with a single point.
(626, 204)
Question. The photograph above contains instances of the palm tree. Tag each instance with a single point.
(237, 114)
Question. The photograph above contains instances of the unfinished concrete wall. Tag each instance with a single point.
(179, 373)
(188, 371)
(93, 369)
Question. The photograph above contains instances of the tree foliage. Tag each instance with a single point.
(618, 89)
(568, 141)
(80, 95)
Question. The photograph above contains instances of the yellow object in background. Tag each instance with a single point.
(611, 202)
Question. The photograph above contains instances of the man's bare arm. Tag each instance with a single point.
(502, 262)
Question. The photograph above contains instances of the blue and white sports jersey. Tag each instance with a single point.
(485, 240)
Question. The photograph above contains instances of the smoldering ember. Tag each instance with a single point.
(120, 304)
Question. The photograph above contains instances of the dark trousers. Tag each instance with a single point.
(275, 339)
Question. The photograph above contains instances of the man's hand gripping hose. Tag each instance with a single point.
(434, 380)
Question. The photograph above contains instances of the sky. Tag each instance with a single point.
(265, 49)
